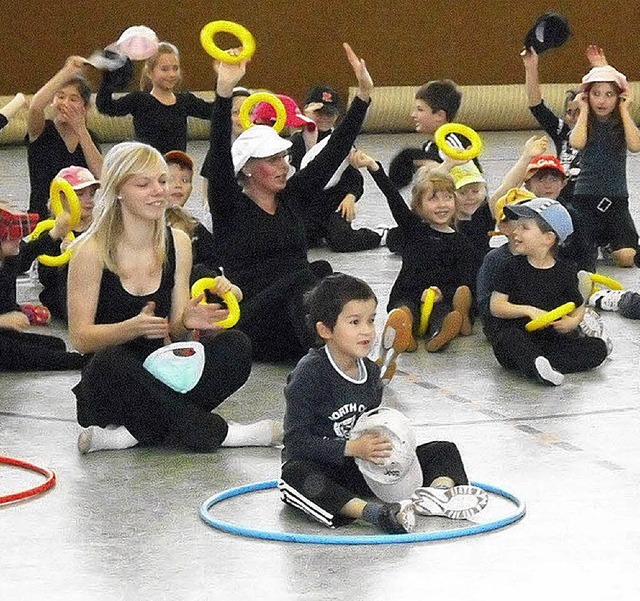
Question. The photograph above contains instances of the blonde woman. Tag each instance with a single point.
(128, 295)
(159, 111)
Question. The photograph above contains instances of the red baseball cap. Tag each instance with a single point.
(16, 225)
(265, 114)
(544, 161)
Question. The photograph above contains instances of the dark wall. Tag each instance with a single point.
(405, 42)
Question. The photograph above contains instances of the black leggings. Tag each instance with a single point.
(23, 351)
(275, 318)
(116, 389)
(516, 349)
(322, 489)
(342, 238)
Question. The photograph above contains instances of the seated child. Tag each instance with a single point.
(434, 256)
(19, 350)
(529, 285)
(328, 391)
(54, 279)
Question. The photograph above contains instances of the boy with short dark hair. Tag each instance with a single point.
(328, 391)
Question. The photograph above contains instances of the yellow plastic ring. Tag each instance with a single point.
(598, 278)
(51, 260)
(550, 317)
(273, 100)
(247, 41)
(58, 185)
(458, 154)
(203, 284)
(425, 311)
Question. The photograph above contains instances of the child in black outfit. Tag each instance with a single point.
(19, 350)
(327, 472)
(529, 285)
(434, 255)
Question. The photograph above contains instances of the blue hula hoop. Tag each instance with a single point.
(375, 539)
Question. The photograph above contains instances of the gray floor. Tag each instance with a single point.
(125, 525)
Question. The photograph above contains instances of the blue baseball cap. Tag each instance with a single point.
(550, 211)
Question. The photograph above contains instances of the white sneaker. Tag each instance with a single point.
(607, 300)
(456, 503)
(592, 326)
(546, 373)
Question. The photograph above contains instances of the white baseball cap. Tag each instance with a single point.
(257, 142)
(400, 475)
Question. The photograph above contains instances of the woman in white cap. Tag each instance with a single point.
(256, 218)
(604, 131)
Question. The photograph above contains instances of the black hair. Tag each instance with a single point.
(326, 300)
(441, 95)
(83, 87)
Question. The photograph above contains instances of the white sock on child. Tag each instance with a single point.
(265, 433)
(112, 437)
(607, 300)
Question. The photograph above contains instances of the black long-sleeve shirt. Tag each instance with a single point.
(257, 247)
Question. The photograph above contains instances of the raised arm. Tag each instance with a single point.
(531, 77)
(534, 146)
(42, 98)
(631, 133)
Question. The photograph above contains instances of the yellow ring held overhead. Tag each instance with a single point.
(247, 41)
(425, 310)
(253, 100)
(51, 260)
(459, 154)
(598, 278)
(550, 317)
(59, 185)
(230, 300)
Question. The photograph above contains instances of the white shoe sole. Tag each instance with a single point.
(457, 503)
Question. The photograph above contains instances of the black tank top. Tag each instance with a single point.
(115, 304)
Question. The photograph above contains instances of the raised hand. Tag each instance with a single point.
(365, 83)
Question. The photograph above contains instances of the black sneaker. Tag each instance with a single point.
(397, 518)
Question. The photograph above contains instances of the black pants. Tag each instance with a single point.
(342, 238)
(602, 222)
(516, 349)
(322, 489)
(23, 351)
(275, 318)
(116, 389)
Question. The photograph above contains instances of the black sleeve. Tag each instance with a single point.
(319, 171)
(223, 188)
(204, 247)
(3, 120)
(30, 251)
(405, 218)
(108, 105)
(298, 150)
(402, 166)
(555, 127)
(197, 107)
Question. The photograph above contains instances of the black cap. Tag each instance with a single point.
(550, 30)
(328, 96)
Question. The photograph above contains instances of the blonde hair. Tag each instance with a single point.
(163, 48)
(120, 164)
(429, 183)
(179, 218)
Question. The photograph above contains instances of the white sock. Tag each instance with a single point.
(112, 437)
(546, 372)
(265, 433)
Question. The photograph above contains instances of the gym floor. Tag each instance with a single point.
(125, 524)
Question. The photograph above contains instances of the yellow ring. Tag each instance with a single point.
(247, 41)
(51, 260)
(58, 185)
(425, 311)
(230, 300)
(598, 278)
(273, 100)
(550, 317)
(456, 153)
